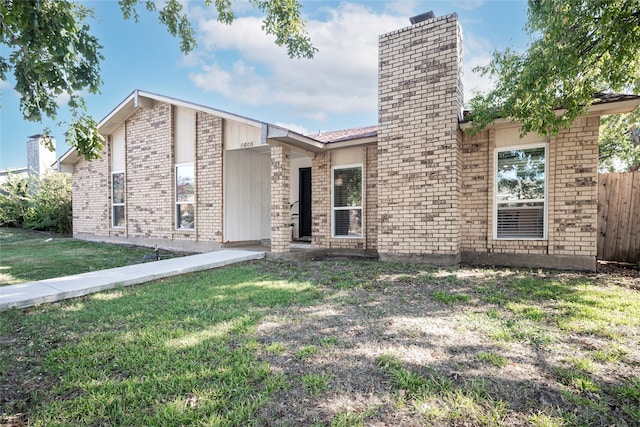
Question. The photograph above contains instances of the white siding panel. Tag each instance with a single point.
(347, 156)
(511, 136)
(240, 135)
(247, 196)
(117, 150)
(185, 134)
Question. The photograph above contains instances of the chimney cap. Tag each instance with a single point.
(422, 17)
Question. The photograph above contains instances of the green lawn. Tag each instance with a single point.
(27, 256)
(331, 343)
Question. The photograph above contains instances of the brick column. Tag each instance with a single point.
(321, 200)
(209, 177)
(573, 190)
(419, 144)
(280, 192)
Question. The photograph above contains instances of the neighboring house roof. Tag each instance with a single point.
(14, 171)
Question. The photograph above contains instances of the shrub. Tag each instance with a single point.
(50, 208)
(38, 204)
(14, 200)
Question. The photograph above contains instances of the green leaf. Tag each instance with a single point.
(577, 50)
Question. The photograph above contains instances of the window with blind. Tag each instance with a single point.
(520, 193)
(347, 201)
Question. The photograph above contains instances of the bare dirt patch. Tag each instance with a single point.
(448, 325)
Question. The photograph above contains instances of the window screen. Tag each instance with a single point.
(185, 197)
(347, 202)
(117, 199)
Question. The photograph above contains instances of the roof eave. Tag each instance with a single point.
(596, 109)
(139, 98)
(67, 160)
(294, 140)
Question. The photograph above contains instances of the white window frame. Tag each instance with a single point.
(545, 201)
(113, 203)
(177, 203)
(334, 209)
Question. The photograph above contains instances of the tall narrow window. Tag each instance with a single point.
(185, 184)
(347, 201)
(118, 164)
(117, 199)
(185, 197)
(520, 193)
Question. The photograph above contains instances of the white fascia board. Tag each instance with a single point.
(140, 98)
(617, 107)
(69, 158)
(371, 140)
(220, 113)
(119, 107)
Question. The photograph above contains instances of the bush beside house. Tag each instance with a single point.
(37, 203)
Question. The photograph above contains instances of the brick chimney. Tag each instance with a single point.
(39, 157)
(419, 154)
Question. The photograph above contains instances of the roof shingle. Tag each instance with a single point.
(345, 134)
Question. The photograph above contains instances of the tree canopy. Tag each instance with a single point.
(620, 142)
(53, 55)
(578, 48)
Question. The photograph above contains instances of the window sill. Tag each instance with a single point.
(184, 230)
(521, 239)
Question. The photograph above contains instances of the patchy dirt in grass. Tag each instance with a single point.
(622, 273)
(395, 314)
(405, 345)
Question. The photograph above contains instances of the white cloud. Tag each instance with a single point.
(341, 79)
(241, 63)
(62, 99)
(476, 51)
(403, 7)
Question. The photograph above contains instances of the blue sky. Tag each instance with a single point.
(240, 70)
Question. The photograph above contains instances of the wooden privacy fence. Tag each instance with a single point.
(619, 216)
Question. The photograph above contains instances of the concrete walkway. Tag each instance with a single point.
(34, 293)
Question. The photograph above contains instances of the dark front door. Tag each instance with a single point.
(305, 203)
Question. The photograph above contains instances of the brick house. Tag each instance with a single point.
(416, 187)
